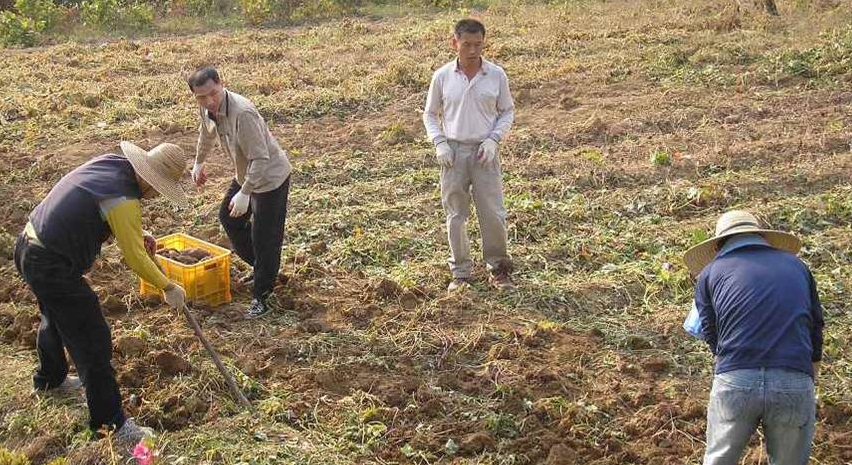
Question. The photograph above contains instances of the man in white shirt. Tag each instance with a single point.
(469, 110)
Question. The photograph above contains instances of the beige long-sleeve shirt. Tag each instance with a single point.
(260, 163)
(472, 110)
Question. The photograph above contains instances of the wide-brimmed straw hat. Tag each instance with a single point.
(737, 222)
(162, 168)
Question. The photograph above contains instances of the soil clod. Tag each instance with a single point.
(171, 364)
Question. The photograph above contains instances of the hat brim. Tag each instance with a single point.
(167, 187)
(699, 256)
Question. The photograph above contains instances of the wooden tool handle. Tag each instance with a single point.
(229, 380)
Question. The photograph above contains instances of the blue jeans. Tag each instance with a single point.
(781, 400)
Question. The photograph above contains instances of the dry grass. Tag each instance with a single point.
(373, 362)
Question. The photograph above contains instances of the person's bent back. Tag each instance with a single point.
(765, 310)
(758, 310)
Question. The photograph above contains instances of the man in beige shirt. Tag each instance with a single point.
(469, 110)
(254, 208)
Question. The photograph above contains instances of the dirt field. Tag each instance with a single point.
(637, 123)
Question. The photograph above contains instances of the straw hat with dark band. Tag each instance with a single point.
(729, 224)
(162, 168)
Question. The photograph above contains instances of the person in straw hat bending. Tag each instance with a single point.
(59, 244)
(759, 311)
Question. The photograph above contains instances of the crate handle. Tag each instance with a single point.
(211, 266)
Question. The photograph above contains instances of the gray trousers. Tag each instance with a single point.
(467, 177)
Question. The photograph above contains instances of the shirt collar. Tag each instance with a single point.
(483, 69)
(224, 107)
(226, 104)
(742, 240)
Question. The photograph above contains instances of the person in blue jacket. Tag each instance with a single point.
(759, 311)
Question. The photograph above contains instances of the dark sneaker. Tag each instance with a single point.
(257, 309)
(260, 307)
(70, 387)
(458, 284)
(502, 281)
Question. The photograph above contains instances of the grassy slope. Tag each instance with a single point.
(587, 358)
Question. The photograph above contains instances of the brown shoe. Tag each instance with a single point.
(458, 284)
(502, 281)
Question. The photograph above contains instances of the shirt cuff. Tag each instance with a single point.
(438, 139)
(247, 188)
(201, 154)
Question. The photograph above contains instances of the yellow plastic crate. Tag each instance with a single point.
(208, 281)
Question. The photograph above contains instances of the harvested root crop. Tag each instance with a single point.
(187, 257)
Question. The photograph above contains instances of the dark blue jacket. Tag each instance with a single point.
(759, 308)
(69, 221)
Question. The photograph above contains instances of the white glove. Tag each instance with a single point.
(198, 175)
(239, 204)
(444, 154)
(487, 152)
(175, 296)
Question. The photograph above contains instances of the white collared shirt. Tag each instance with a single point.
(471, 110)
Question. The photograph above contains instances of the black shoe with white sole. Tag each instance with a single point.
(260, 307)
